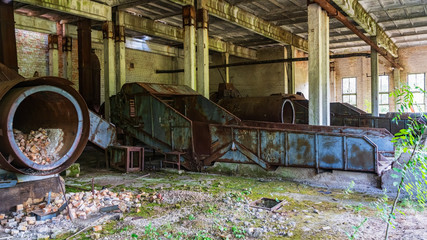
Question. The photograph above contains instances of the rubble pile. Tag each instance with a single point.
(40, 146)
(80, 204)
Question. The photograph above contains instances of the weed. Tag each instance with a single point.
(150, 232)
(350, 188)
(238, 232)
(357, 208)
(202, 235)
(191, 217)
(356, 230)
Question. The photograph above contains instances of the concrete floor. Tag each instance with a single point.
(212, 206)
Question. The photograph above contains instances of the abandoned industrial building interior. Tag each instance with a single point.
(213, 119)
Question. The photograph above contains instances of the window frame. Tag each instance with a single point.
(382, 93)
(349, 94)
(423, 104)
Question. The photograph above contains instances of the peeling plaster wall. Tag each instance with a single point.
(301, 73)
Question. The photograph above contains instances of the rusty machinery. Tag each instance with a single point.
(269, 109)
(46, 102)
(176, 119)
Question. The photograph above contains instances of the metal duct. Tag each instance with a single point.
(269, 109)
(45, 102)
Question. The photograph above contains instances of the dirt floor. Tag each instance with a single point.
(209, 206)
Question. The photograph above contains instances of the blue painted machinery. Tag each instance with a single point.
(171, 118)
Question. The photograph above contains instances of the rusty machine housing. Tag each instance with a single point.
(171, 118)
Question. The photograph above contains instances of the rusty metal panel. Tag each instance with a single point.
(361, 154)
(247, 138)
(102, 133)
(273, 147)
(331, 152)
(301, 150)
(167, 89)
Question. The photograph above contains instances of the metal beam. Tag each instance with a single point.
(355, 10)
(82, 8)
(158, 29)
(332, 11)
(242, 18)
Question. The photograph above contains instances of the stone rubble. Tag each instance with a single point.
(40, 146)
(81, 206)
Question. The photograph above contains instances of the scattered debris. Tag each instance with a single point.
(81, 206)
(41, 146)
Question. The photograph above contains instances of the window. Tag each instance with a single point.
(417, 80)
(384, 92)
(349, 91)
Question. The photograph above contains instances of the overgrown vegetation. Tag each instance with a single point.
(411, 176)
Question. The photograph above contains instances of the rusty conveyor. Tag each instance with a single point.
(176, 118)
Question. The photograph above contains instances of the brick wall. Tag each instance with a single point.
(145, 65)
(33, 55)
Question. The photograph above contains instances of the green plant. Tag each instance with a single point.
(357, 208)
(410, 140)
(211, 209)
(191, 217)
(356, 230)
(238, 232)
(134, 236)
(350, 188)
(150, 232)
(202, 235)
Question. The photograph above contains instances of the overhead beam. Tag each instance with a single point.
(242, 18)
(157, 29)
(34, 24)
(332, 11)
(82, 8)
(355, 10)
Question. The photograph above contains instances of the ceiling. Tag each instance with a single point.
(405, 21)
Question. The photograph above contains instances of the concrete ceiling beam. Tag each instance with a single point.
(223, 10)
(158, 29)
(82, 8)
(355, 10)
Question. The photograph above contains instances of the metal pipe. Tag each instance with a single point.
(46, 102)
(333, 12)
(270, 109)
(270, 62)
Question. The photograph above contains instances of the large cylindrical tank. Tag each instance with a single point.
(269, 109)
(44, 102)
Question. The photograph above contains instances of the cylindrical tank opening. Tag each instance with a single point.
(46, 107)
(288, 112)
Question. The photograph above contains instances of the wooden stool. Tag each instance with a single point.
(123, 158)
(174, 153)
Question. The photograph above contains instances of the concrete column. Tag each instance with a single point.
(374, 82)
(290, 70)
(226, 57)
(53, 55)
(202, 52)
(397, 84)
(189, 21)
(67, 47)
(8, 54)
(318, 64)
(120, 51)
(109, 65)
